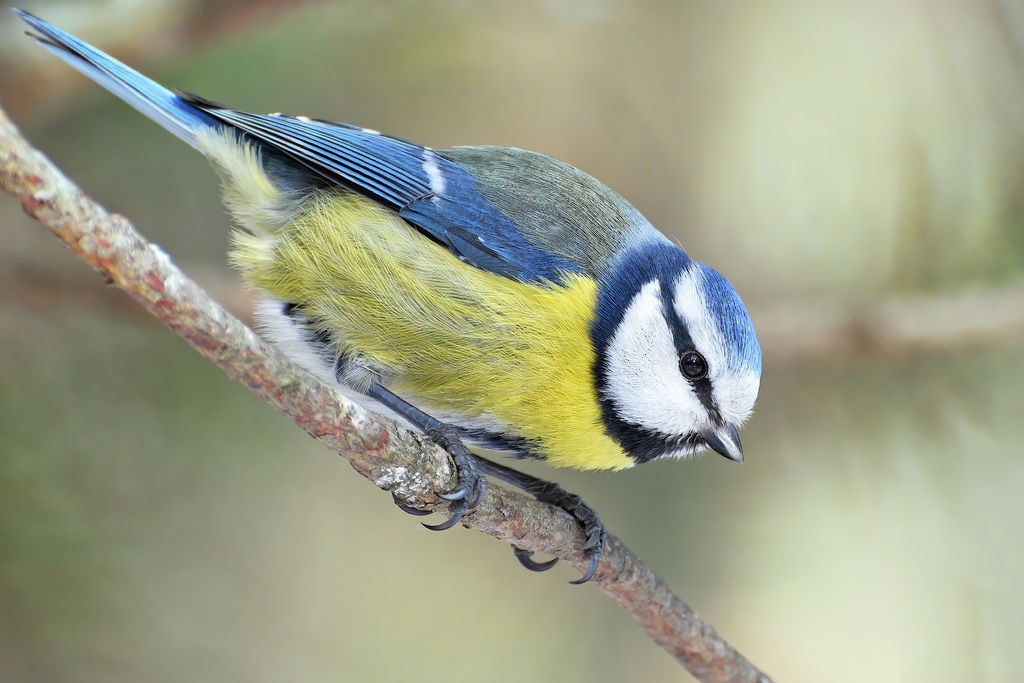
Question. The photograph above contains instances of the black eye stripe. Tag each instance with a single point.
(680, 333)
(684, 346)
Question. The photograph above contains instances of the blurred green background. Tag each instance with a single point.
(158, 523)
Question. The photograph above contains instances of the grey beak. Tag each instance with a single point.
(725, 440)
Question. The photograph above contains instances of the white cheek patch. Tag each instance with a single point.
(734, 385)
(643, 380)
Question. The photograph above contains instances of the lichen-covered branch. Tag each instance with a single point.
(393, 458)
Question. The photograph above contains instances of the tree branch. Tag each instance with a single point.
(390, 456)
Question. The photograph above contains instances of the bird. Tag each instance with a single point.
(485, 295)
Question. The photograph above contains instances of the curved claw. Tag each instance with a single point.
(448, 524)
(409, 509)
(458, 512)
(594, 561)
(415, 512)
(594, 541)
(458, 494)
(525, 558)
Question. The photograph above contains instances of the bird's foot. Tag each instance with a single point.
(470, 483)
(553, 494)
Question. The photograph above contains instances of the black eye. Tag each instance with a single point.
(693, 365)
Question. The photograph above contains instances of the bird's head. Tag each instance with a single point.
(678, 363)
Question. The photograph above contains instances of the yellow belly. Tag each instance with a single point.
(458, 340)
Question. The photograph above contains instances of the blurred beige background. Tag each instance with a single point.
(158, 523)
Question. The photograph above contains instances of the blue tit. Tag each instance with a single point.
(488, 295)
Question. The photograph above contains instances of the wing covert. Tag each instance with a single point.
(426, 188)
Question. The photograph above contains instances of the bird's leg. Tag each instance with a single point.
(553, 494)
(470, 485)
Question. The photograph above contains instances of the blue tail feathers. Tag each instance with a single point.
(149, 97)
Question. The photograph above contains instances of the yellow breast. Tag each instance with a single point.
(458, 340)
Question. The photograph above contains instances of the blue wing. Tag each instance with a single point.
(423, 186)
